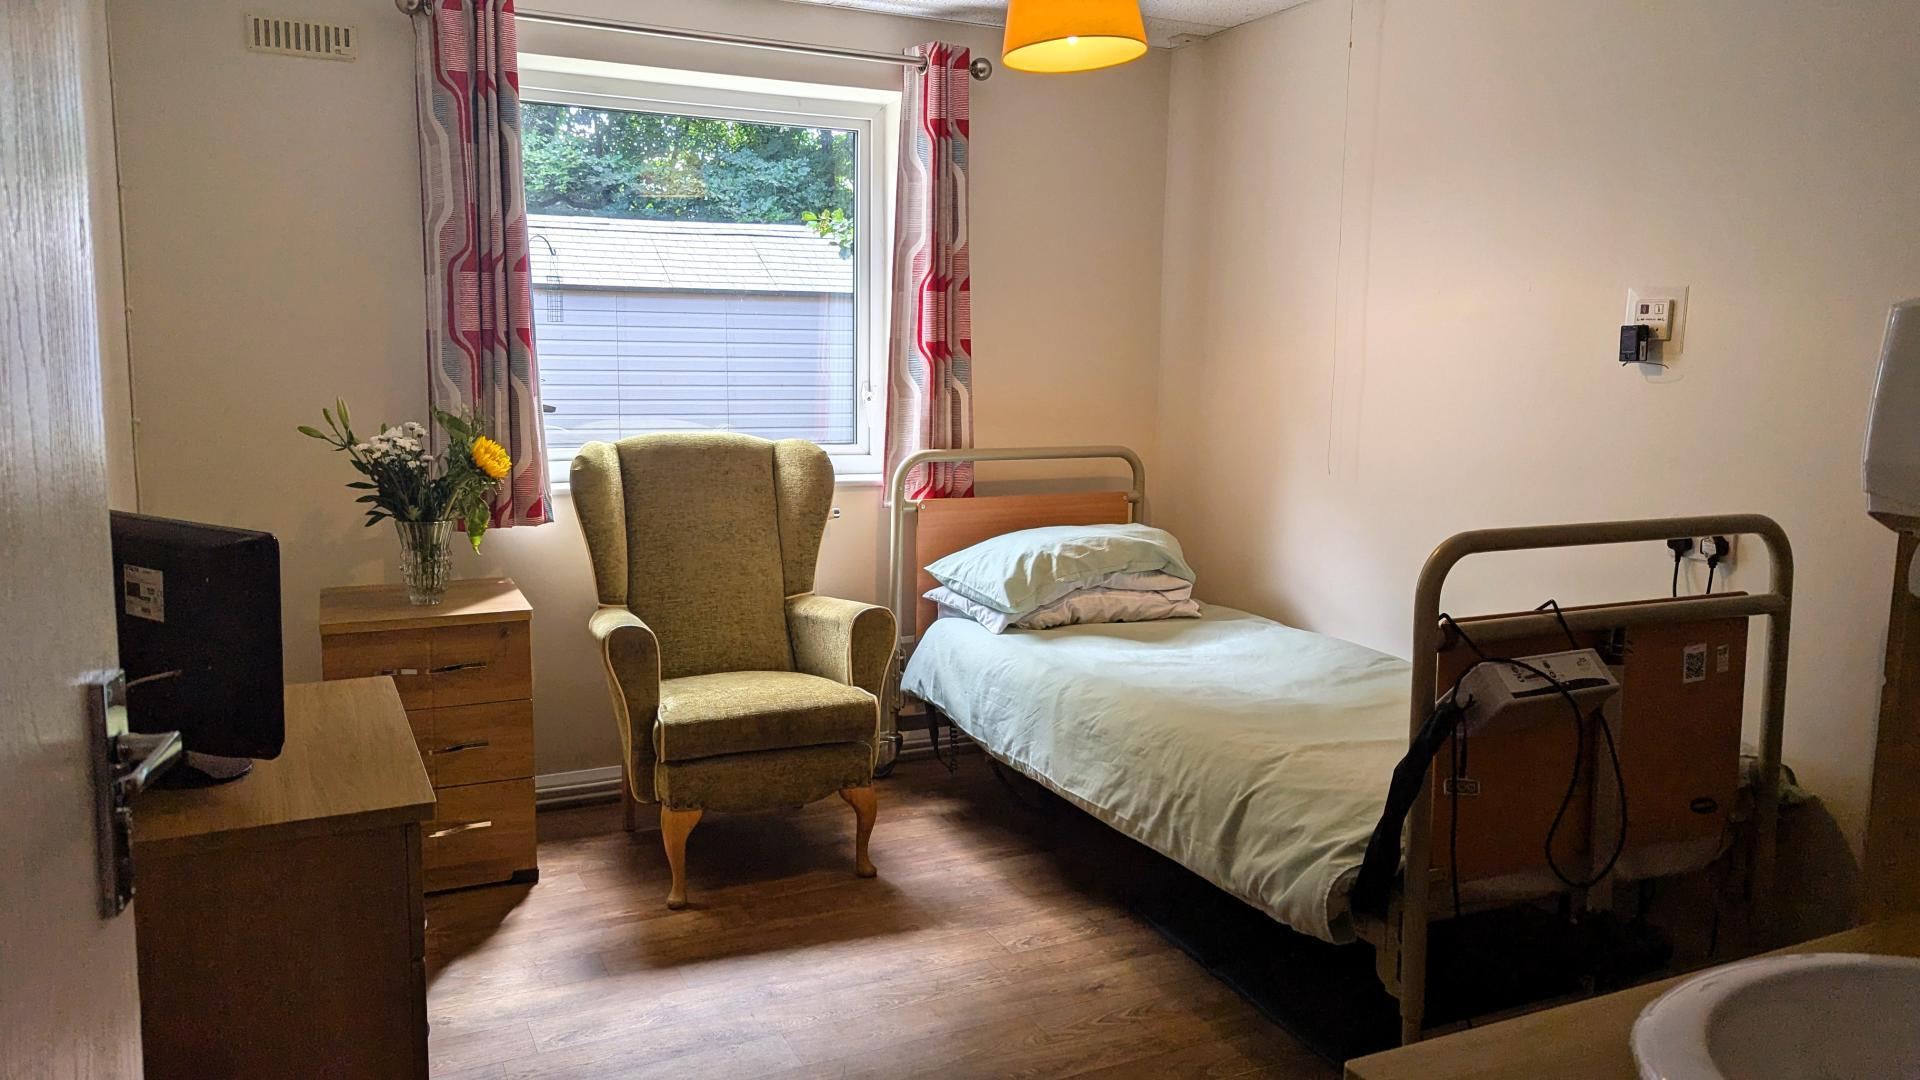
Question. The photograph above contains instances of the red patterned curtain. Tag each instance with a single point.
(930, 358)
(479, 292)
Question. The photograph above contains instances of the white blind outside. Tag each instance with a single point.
(618, 362)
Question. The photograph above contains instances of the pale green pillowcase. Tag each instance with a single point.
(1020, 572)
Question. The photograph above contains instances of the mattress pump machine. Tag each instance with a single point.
(1663, 681)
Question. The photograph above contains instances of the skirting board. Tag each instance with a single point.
(552, 791)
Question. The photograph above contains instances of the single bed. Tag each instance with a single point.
(1260, 756)
(1266, 784)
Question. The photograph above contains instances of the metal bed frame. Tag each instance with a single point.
(1401, 938)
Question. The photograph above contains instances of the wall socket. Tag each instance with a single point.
(1703, 547)
(1661, 308)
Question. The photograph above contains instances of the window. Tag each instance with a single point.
(708, 253)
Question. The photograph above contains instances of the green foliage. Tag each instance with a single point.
(833, 225)
(662, 167)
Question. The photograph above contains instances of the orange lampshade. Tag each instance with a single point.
(1072, 35)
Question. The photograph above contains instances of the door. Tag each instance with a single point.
(68, 1000)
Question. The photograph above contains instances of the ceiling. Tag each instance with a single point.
(1167, 20)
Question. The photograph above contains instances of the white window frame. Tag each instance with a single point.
(872, 114)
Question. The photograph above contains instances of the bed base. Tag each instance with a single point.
(1400, 939)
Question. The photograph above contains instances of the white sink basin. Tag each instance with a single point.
(1806, 1017)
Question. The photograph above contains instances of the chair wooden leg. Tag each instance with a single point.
(865, 806)
(674, 827)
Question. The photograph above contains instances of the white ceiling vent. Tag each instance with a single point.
(302, 37)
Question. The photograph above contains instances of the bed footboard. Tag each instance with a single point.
(1406, 926)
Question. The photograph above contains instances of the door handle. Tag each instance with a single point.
(465, 665)
(142, 758)
(454, 748)
(464, 826)
(124, 764)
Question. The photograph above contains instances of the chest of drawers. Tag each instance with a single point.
(464, 669)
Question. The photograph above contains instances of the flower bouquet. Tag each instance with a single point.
(423, 493)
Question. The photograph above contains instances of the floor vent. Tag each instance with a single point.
(302, 37)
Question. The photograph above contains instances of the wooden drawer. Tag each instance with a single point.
(422, 723)
(472, 665)
(480, 833)
(404, 654)
(475, 744)
(437, 668)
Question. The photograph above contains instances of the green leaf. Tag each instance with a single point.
(362, 485)
(310, 431)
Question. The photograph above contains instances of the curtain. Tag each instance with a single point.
(480, 352)
(930, 356)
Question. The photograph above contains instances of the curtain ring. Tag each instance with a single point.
(411, 7)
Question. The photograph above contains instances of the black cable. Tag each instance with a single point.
(1561, 617)
(1676, 573)
(1453, 819)
(1712, 565)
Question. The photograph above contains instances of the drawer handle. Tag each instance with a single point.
(471, 744)
(403, 671)
(467, 665)
(465, 826)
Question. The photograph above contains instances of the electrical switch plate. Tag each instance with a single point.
(1661, 308)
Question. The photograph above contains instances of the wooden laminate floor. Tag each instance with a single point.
(984, 948)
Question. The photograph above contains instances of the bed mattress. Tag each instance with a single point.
(1254, 754)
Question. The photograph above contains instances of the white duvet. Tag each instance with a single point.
(1252, 753)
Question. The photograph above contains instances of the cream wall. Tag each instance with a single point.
(1395, 274)
(273, 239)
(110, 299)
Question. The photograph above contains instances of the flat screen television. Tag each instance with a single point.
(198, 613)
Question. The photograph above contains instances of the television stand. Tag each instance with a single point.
(198, 770)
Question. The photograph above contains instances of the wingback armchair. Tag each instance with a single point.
(734, 686)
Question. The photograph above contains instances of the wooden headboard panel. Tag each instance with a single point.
(944, 526)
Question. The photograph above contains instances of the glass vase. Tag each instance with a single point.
(426, 556)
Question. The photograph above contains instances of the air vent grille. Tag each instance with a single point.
(302, 37)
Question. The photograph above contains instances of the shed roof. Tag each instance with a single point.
(706, 256)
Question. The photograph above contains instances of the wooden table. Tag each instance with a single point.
(279, 918)
(1587, 1040)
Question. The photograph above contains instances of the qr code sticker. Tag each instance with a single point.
(1693, 664)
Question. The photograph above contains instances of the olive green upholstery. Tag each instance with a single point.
(734, 687)
(739, 712)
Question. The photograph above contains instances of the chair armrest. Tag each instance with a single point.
(842, 640)
(631, 655)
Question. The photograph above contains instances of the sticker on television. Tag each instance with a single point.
(145, 592)
(1693, 663)
(1722, 659)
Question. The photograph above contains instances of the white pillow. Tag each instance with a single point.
(1117, 597)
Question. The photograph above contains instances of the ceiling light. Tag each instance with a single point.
(1053, 36)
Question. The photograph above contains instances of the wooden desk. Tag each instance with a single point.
(279, 918)
(1587, 1040)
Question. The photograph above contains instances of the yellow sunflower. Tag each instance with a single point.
(491, 458)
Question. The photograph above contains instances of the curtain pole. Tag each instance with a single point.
(981, 68)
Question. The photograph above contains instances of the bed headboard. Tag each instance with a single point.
(949, 525)
(945, 526)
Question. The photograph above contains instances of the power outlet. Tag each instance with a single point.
(1661, 309)
(1705, 546)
